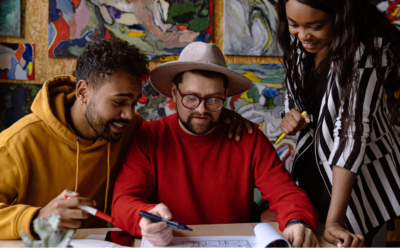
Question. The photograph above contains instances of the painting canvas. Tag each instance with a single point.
(17, 61)
(249, 28)
(153, 105)
(391, 8)
(15, 102)
(263, 104)
(10, 17)
(159, 28)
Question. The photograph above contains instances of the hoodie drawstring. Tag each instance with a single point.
(108, 176)
(108, 171)
(77, 165)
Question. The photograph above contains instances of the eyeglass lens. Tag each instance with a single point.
(192, 101)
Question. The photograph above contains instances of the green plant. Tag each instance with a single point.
(46, 229)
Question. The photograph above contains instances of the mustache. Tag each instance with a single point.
(196, 114)
(119, 121)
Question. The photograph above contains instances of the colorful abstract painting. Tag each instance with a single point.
(159, 28)
(17, 61)
(391, 8)
(15, 102)
(152, 105)
(249, 28)
(10, 17)
(263, 104)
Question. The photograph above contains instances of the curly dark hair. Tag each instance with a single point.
(355, 21)
(103, 58)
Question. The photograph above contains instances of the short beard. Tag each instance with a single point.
(197, 129)
(99, 124)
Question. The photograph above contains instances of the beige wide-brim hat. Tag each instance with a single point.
(198, 56)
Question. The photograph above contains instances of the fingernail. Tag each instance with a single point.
(237, 138)
(74, 193)
(94, 203)
(230, 136)
(339, 245)
(251, 131)
(167, 215)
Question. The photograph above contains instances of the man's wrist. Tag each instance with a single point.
(296, 221)
(33, 233)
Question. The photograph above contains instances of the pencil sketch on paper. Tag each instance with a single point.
(249, 28)
(208, 241)
(218, 243)
(159, 28)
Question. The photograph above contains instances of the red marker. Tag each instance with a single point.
(95, 212)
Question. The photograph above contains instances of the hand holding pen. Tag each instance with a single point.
(293, 122)
(157, 233)
(71, 216)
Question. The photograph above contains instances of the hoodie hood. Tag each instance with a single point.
(50, 105)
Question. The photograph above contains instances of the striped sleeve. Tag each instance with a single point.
(350, 153)
(289, 102)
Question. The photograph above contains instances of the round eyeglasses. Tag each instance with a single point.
(193, 101)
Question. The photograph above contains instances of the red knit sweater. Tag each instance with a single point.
(204, 179)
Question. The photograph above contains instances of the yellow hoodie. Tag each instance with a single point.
(40, 157)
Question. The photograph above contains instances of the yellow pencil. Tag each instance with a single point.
(283, 134)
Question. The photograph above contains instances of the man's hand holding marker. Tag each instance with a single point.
(67, 209)
(94, 212)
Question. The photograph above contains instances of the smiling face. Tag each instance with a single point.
(198, 121)
(311, 26)
(112, 106)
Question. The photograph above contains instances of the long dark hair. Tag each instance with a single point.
(354, 21)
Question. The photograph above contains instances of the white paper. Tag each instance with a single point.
(96, 237)
(208, 241)
(86, 243)
(265, 235)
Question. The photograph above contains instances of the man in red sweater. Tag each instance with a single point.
(184, 167)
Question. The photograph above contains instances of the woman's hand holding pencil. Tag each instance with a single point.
(293, 122)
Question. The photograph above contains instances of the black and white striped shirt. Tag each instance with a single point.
(372, 150)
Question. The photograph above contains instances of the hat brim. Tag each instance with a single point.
(161, 77)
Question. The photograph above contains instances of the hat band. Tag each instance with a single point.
(208, 62)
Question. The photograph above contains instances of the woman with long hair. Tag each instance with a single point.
(342, 63)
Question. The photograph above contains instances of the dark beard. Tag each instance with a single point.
(99, 124)
(197, 130)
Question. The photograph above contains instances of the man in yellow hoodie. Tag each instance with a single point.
(74, 142)
(75, 139)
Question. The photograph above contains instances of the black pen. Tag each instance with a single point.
(170, 223)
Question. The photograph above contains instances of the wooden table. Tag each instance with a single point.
(245, 229)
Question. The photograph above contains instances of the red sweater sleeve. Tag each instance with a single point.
(277, 186)
(133, 186)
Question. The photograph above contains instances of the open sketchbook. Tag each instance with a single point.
(266, 235)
